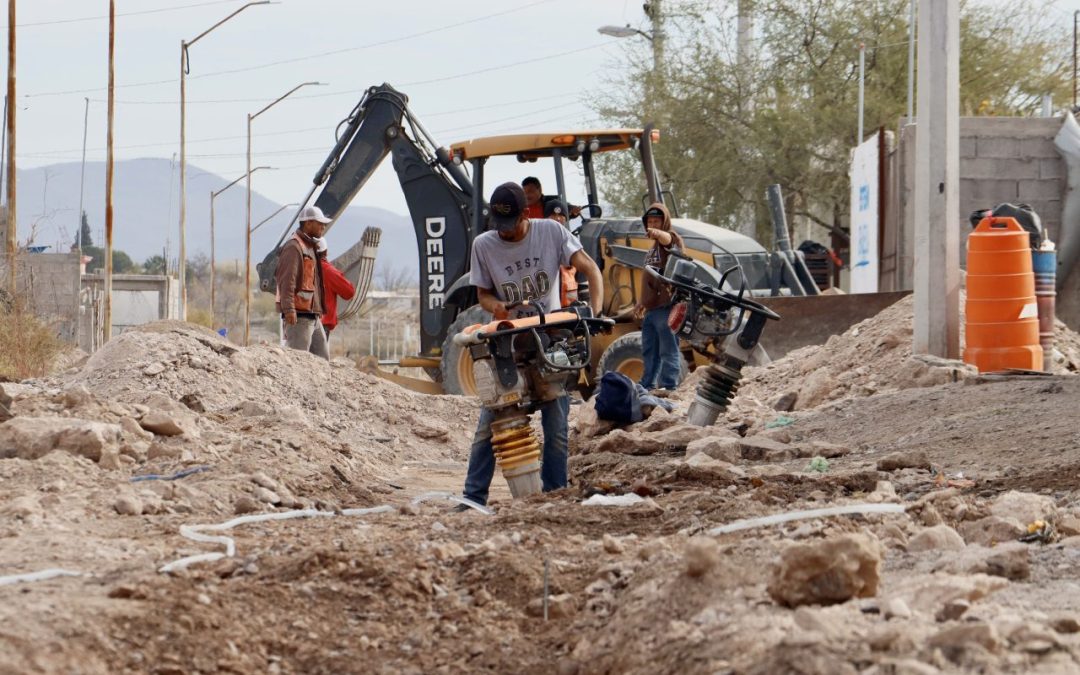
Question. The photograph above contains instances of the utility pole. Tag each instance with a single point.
(11, 221)
(82, 178)
(862, 85)
(937, 181)
(109, 173)
(247, 220)
(184, 46)
(744, 29)
(911, 64)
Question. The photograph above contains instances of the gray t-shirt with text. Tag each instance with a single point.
(526, 269)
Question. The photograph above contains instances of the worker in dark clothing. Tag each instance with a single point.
(659, 346)
(536, 201)
(300, 286)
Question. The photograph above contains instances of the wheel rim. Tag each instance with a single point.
(466, 379)
(633, 368)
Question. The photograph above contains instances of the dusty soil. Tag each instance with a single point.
(640, 589)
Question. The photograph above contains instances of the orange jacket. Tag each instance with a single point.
(334, 284)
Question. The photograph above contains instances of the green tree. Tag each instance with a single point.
(85, 239)
(789, 116)
(122, 262)
(155, 264)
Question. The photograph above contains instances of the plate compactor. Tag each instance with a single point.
(723, 325)
(519, 365)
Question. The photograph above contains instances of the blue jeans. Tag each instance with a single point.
(553, 460)
(660, 349)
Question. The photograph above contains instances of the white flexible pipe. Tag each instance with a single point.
(195, 532)
(37, 576)
(764, 521)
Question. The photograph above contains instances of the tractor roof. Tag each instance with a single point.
(534, 146)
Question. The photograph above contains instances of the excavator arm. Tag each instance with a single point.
(438, 192)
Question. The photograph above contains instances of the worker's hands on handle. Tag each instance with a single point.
(639, 311)
(290, 318)
(661, 236)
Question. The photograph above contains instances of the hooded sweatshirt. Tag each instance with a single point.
(655, 293)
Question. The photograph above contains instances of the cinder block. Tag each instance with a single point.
(985, 193)
(999, 168)
(1034, 190)
(1010, 127)
(968, 147)
(1042, 148)
(993, 146)
(1052, 168)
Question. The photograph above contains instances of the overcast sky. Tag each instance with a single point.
(430, 49)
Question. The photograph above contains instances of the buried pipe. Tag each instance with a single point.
(765, 521)
(37, 576)
(196, 532)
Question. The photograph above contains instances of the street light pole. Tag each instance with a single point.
(213, 244)
(82, 178)
(184, 45)
(271, 216)
(247, 222)
(109, 176)
(10, 121)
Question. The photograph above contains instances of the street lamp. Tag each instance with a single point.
(622, 31)
(247, 267)
(213, 240)
(184, 45)
(271, 216)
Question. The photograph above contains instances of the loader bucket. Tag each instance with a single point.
(358, 266)
(813, 319)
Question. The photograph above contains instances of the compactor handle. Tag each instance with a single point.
(999, 223)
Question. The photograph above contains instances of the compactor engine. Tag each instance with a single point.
(718, 323)
(519, 365)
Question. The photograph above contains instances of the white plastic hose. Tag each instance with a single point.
(765, 521)
(37, 576)
(195, 532)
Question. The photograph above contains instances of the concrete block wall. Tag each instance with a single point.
(50, 282)
(1002, 159)
(1011, 159)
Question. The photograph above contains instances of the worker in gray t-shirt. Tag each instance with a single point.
(519, 260)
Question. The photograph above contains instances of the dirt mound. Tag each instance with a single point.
(871, 357)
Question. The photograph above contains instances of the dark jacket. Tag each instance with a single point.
(299, 277)
(655, 293)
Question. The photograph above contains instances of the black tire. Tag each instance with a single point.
(624, 355)
(456, 370)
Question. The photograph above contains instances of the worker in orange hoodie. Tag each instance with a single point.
(335, 285)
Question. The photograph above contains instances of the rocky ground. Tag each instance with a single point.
(973, 571)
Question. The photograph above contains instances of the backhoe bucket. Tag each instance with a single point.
(813, 319)
(358, 266)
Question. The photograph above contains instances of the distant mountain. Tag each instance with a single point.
(146, 202)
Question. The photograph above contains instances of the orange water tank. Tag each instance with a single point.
(1002, 316)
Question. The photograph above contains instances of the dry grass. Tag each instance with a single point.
(28, 346)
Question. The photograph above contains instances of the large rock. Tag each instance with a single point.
(929, 371)
(163, 423)
(723, 448)
(589, 425)
(955, 640)
(634, 442)
(35, 437)
(937, 538)
(759, 448)
(827, 572)
(904, 460)
(991, 530)
(1009, 561)
(1024, 506)
(815, 389)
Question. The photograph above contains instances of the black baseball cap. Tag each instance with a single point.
(507, 204)
(653, 211)
(554, 208)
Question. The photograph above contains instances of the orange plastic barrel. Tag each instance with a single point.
(1002, 315)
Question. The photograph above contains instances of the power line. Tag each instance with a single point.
(57, 22)
(304, 58)
(443, 113)
(505, 66)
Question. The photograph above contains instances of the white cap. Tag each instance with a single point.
(320, 244)
(313, 213)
